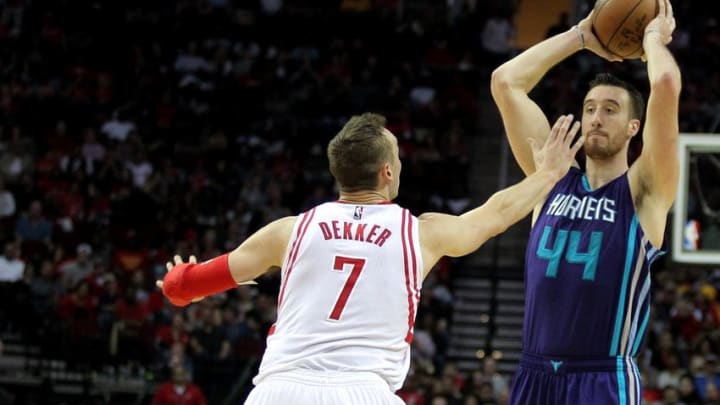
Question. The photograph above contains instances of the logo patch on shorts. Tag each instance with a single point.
(556, 364)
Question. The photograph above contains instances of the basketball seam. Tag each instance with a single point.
(595, 16)
(637, 4)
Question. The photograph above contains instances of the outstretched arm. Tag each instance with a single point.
(450, 235)
(512, 82)
(654, 176)
(191, 281)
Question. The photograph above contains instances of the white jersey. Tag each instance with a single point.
(349, 291)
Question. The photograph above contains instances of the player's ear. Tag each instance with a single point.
(633, 127)
(385, 171)
(388, 169)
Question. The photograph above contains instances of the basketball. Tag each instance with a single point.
(620, 25)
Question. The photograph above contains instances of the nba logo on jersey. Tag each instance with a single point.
(358, 212)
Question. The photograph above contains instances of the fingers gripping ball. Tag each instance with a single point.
(620, 25)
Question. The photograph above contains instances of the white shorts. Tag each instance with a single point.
(309, 387)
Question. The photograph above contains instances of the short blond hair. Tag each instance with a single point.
(358, 151)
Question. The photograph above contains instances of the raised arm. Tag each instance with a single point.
(654, 176)
(451, 235)
(512, 81)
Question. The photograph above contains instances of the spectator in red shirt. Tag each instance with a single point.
(78, 309)
(179, 390)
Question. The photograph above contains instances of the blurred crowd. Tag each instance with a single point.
(132, 131)
(680, 361)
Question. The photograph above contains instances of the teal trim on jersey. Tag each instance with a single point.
(623, 288)
(644, 291)
(640, 335)
(622, 394)
(586, 183)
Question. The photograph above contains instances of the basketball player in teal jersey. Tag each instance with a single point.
(593, 239)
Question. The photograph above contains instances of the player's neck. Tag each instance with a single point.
(364, 197)
(602, 172)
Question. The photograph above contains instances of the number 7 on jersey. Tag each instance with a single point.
(339, 265)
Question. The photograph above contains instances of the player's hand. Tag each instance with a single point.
(663, 25)
(178, 261)
(558, 153)
(592, 42)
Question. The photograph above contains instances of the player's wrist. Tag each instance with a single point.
(551, 175)
(188, 281)
(580, 36)
(652, 35)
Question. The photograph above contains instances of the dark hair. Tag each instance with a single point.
(358, 151)
(637, 104)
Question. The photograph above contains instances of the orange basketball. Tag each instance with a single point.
(620, 25)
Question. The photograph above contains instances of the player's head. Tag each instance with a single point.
(364, 156)
(612, 111)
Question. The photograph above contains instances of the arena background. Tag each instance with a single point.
(130, 131)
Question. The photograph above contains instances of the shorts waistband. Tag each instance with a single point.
(566, 365)
(327, 378)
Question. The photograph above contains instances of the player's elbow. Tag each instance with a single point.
(669, 82)
(497, 225)
(506, 85)
(500, 81)
(497, 222)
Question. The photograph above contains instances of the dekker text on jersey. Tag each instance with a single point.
(354, 231)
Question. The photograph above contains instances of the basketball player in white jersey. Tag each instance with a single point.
(352, 269)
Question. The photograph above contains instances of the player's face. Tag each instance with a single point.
(606, 122)
(396, 166)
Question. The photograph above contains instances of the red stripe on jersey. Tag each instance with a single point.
(414, 263)
(272, 330)
(411, 306)
(302, 228)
